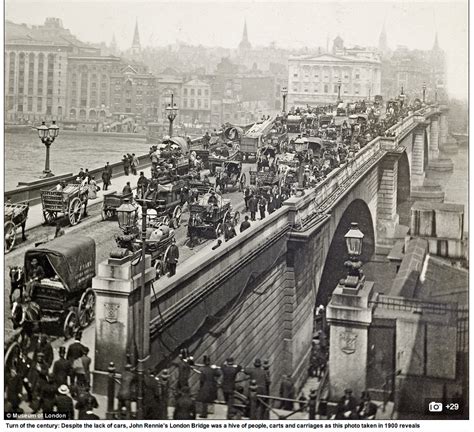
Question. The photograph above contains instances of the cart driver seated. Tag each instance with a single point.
(151, 191)
(36, 275)
(212, 202)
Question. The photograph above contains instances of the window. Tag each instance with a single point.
(295, 90)
(335, 88)
(185, 103)
(295, 75)
(199, 103)
(206, 92)
(192, 92)
(192, 102)
(306, 90)
(185, 92)
(199, 92)
(326, 88)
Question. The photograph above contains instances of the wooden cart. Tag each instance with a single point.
(70, 202)
(112, 201)
(15, 215)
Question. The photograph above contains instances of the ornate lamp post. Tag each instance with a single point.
(354, 239)
(424, 92)
(127, 215)
(171, 113)
(339, 83)
(284, 94)
(47, 135)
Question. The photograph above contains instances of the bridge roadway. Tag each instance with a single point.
(102, 231)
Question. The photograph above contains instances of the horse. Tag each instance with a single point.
(17, 283)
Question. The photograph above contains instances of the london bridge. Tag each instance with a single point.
(301, 260)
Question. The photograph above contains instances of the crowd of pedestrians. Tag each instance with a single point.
(48, 385)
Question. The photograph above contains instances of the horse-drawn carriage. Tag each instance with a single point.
(15, 215)
(61, 291)
(112, 201)
(230, 174)
(70, 201)
(164, 202)
(208, 216)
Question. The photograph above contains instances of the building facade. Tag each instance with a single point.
(314, 80)
(196, 103)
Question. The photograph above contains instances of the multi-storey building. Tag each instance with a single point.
(36, 68)
(315, 80)
(196, 102)
(89, 96)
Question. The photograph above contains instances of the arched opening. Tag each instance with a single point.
(92, 114)
(102, 114)
(82, 114)
(334, 269)
(72, 113)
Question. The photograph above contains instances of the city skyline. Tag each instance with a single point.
(164, 23)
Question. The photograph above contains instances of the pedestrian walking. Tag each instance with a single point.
(93, 188)
(74, 353)
(261, 378)
(247, 195)
(127, 189)
(253, 206)
(64, 403)
(44, 347)
(229, 372)
(126, 165)
(184, 364)
(86, 362)
(262, 206)
(85, 402)
(134, 164)
(62, 368)
(142, 185)
(106, 176)
(245, 224)
(128, 388)
(172, 257)
(207, 393)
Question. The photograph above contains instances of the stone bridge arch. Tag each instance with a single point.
(333, 270)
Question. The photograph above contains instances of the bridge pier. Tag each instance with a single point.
(387, 217)
(434, 138)
(418, 156)
(117, 288)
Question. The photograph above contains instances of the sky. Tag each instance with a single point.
(290, 24)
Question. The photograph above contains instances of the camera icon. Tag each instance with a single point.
(435, 407)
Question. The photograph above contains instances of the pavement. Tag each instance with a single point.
(35, 213)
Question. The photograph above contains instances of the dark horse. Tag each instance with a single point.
(17, 283)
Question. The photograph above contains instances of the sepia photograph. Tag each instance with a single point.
(236, 210)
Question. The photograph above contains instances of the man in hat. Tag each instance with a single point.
(47, 394)
(367, 409)
(184, 407)
(85, 401)
(128, 386)
(229, 372)
(172, 257)
(142, 184)
(260, 376)
(62, 368)
(245, 224)
(212, 199)
(253, 206)
(347, 407)
(127, 189)
(74, 353)
(106, 176)
(183, 363)
(37, 272)
(287, 391)
(207, 386)
(44, 346)
(64, 403)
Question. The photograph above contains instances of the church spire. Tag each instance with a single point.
(136, 47)
(244, 43)
(383, 40)
(436, 44)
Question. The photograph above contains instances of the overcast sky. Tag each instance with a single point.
(289, 24)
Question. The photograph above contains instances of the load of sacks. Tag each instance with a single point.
(157, 234)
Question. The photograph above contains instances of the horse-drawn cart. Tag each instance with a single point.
(15, 215)
(64, 292)
(70, 201)
(231, 175)
(208, 216)
(112, 201)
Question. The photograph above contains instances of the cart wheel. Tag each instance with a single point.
(11, 356)
(107, 214)
(164, 265)
(177, 216)
(75, 211)
(159, 269)
(236, 218)
(86, 308)
(49, 217)
(70, 325)
(166, 221)
(219, 230)
(10, 235)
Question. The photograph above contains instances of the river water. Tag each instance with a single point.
(25, 154)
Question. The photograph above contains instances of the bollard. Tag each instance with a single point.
(253, 400)
(312, 405)
(164, 377)
(265, 411)
(111, 390)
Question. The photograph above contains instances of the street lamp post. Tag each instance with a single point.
(284, 93)
(127, 218)
(171, 112)
(354, 239)
(47, 135)
(339, 83)
(424, 92)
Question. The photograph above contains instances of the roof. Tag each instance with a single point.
(259, 129)
(331, 58)
(71, 256)
(431, 206)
